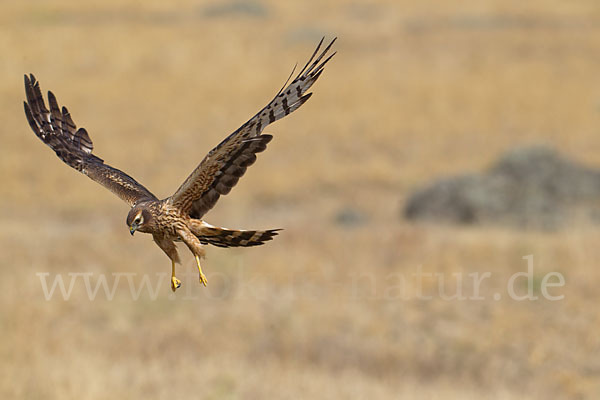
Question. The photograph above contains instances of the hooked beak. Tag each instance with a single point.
(132, 229)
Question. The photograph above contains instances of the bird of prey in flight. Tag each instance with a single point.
(177, 217)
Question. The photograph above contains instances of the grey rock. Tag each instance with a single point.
(532, 187)
(350, 217)
(248, 8)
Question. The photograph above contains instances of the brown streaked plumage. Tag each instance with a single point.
(177, 218)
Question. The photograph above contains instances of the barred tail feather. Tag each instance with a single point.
(235, 238)
(222, 237)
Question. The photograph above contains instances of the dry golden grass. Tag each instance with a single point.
(419, 89)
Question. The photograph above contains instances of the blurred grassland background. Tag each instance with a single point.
(418, 90)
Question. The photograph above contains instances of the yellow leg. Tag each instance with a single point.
(175, 283)
(203, 279)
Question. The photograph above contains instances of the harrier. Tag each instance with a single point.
(178, 217)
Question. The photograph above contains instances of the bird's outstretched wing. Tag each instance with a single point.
(74, 146)
(222, 167)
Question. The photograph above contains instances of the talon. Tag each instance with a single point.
(203, 279)
(175, 283)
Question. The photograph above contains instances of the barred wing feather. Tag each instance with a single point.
(222, 167)
(73, 146)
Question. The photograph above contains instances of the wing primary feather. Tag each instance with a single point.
(32, 122)
(311, 57)
(69, 121)
(55, 115)
(319, 69)
(321, 56)
(287, 80)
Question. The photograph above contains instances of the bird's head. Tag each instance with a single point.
(139, 218)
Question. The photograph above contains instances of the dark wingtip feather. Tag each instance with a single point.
(30, 80)
(326, 60)
(311, 58)
(51, 97)
(34, 126)
(329, 45)
(287, 80)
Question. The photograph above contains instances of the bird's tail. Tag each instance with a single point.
(223, 237)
